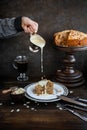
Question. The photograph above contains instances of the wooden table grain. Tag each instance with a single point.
(31, 115)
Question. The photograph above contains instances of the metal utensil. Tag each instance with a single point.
(81, 99)
(33, 48)
(62, 107)
(70, 100)
(37, 42)
(76, 107)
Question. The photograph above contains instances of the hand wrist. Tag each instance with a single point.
(17, 23)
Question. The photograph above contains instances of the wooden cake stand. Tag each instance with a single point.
(69, 76)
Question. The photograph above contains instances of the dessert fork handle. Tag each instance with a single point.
(77, 114)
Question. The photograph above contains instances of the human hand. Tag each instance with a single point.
(28, 25)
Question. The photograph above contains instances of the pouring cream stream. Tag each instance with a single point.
(40, 42)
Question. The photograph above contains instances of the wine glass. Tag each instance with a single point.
(21, 64)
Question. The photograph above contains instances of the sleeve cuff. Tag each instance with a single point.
(17, 24)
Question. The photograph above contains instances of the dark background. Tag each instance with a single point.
(52, 16)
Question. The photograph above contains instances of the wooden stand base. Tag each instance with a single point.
(69, 76)
(70, 80)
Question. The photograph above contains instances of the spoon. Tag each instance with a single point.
(9, 90)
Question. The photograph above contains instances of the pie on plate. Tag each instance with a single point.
(58, 89)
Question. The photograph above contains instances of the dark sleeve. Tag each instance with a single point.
(10, 27)
(17, 24)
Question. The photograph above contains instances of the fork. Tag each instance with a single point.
(62, 107)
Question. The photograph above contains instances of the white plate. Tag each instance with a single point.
(59, 89)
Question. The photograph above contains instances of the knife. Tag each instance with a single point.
(76, 107)
(82, 100)
(81, 116)
(70, 100)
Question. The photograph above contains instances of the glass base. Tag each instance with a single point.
(22, 77)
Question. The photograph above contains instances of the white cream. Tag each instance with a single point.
(18, 91)
(43, 82)
(37, 40)
(40, 42)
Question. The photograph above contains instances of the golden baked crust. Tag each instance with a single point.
(39, 89)
(49, 87)
(44, 89)
(70, 38)
(83, 42)
(60, 38)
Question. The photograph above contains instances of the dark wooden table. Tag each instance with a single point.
(33, 115)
